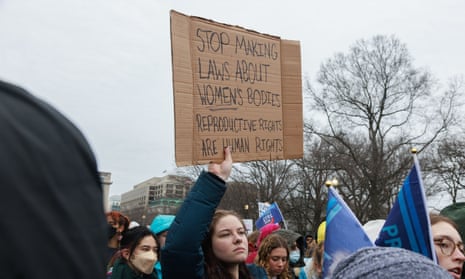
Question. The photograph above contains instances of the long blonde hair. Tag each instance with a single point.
(316, 267)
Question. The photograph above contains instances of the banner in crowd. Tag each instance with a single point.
(248, 225)
(262, 207)
(271, 215)
(344, 233)
(408, 225)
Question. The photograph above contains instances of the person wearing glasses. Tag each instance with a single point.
(448, 244)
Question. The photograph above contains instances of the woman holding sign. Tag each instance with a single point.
(203, 242)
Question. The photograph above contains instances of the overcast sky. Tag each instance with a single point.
(106, 65)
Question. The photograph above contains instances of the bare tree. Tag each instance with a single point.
(242, 198)
(449, 165)
(373, 107)
(272, 179)
(307, 204)
(191, 171)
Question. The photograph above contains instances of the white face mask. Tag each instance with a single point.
(294, 256)
(145, 261)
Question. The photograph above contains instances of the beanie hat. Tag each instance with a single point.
(320, 237)
(387, 262)
(456, 212)
(133, 224)
(161, 223)
(264, 231)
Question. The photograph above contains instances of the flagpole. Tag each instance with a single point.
(328, 183)
(332, 183)
(413, 151)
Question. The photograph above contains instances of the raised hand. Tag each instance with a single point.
(222, 170)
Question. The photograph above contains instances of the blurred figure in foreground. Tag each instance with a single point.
(389, 263)
(52, 222)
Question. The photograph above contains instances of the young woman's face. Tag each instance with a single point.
(229, 240)
(277, 261)
(147, 243)
(447, 242)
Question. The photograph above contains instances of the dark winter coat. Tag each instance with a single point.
(182, 256)
(52, 222)
(121, 270)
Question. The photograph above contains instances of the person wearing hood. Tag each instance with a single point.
(263, 232)
(160, 227)
(53, 221)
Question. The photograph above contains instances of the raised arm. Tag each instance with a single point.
(182, 256)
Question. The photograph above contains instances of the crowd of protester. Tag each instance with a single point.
(201, 241)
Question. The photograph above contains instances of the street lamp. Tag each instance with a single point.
(143, 220)
(334, 182)
(246, 208)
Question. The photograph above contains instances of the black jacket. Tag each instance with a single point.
(52, 222)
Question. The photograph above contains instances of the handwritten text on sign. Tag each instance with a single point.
(234, 87)
(237, 91)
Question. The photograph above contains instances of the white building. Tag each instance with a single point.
(105, 179)
(135, 203)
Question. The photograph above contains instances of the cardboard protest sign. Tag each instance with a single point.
(234, 87)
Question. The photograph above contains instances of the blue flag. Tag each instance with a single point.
(271, 215)
(344, 233)
(408, 225)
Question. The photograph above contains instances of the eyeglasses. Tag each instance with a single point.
(448, 246)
